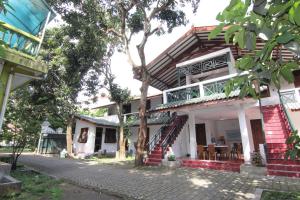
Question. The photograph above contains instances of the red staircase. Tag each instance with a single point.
(277, 130)
(167, 135)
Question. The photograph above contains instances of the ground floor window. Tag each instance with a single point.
(110, 135)
(83, 137)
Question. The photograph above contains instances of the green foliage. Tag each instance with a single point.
(293, 146)
(171, 157)
(94, 113)
(275, 195)
(36, 186)
(278, 24)
(274, 22)
(256, 159)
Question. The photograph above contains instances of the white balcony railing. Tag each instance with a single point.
(290, 95)
(200, 89)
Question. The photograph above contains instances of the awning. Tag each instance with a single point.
(27, 15)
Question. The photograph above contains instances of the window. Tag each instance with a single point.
(110, 135)
(148, 104)
(297, 78)
(127, 108)
(83, 137)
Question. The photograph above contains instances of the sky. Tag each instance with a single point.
(205, 16)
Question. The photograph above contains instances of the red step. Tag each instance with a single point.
(284, 173)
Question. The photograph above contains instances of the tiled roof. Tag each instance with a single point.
(293, 106)
(104, 121)
(204, 99)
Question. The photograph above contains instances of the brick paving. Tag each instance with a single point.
(156, 183)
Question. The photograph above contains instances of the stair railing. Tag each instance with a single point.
(286, 114)
(157, 137)
(171, 136)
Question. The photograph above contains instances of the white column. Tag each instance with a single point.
(165, 99)
(246, 135)
(5, 99)
(192, 131)
(201, 90)
(188, 79)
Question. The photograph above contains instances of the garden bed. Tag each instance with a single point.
(274, 195)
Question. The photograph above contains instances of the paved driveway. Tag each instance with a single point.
(156, 183)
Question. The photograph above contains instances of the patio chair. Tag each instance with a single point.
(201, 152)
(212, 152)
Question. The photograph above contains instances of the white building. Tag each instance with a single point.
(192, 74)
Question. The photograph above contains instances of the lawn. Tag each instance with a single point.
(36, 186)
(273, 195)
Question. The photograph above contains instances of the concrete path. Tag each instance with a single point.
(157, 183)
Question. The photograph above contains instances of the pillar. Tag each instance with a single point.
(5, 86)
(246, 135)
(192, 131)
(188, 79)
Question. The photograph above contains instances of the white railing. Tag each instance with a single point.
(200, 89)
(290, 95)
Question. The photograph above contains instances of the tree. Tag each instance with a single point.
(119, 96)
(70, 54)
(147, 18)
(278, 24)
(123, 19)
(22, 123)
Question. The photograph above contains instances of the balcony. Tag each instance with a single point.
(132, 119)
(291, 98)
(18, 40)
(197, 90)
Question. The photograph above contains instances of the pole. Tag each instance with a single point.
(43, 33)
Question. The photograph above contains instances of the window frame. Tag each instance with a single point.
(109, 138)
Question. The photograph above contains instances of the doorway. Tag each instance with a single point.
(257, 133)
(201, 134)
(98, 139)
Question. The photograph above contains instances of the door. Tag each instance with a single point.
(200, 134)
(257, 133)
(98, 139)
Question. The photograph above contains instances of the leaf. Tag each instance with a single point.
(285, 38)
(232, 29)
(287, 74)
(294, 13)
(245, 63)
(279, 8)
(216, 31)
(241, 39)
(251, 40)
(232, 4)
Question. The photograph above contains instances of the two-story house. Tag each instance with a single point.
(192, 73)
(205, 128)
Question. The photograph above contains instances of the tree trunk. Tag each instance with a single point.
(122, 150)
(143, 120)
(69, 136)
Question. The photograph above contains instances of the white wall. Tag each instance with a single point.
(88, 147)
(181, 144)
(134, 135)
(295, 117)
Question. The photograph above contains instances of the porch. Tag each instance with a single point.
(221, 136)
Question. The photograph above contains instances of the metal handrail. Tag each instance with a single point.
(169, 138)
(157, 137)
(291, 125)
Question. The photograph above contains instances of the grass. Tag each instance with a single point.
(9, 150)
(36, 186)
(273, 195)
